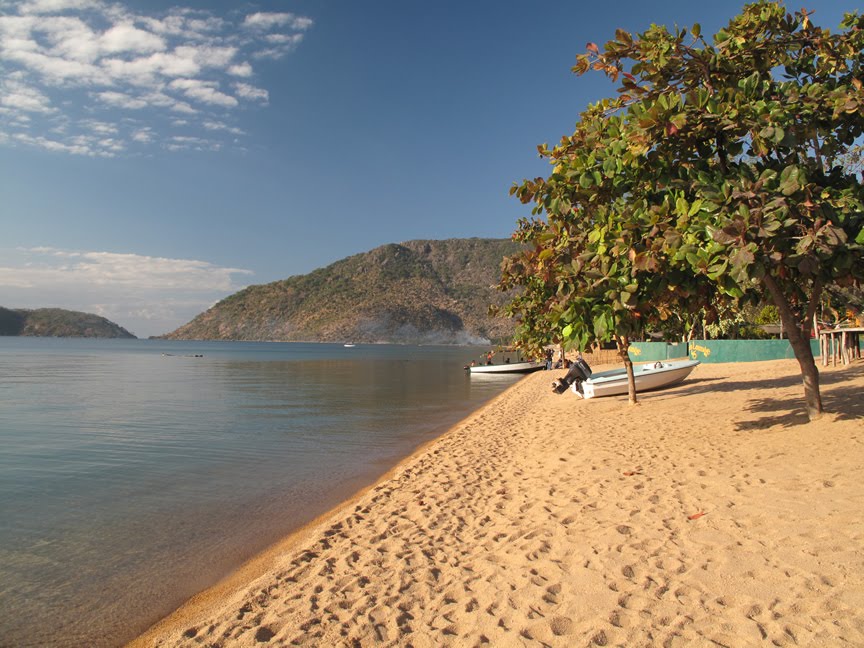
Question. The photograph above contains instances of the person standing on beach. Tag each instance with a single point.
(560, 362)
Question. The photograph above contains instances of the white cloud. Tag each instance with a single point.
(72, 63)
(16, 95)
(209, 56)
(188, 143)
(283, 39)
(74, 147)
(240, 70)
(187, 23)
(146, 294)
(204, 91)
(142, 272)
(246, 91)
(151, 70)
(56, 70)
(122, 100)
(279, 49)
(143, 135)
(103, 128)
(221, 126)
(183, 107)
(93, 144)
(52, 6)
(265, 21)
(281, 43)
(128, 38)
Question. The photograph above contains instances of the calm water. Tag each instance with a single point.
(133, 475)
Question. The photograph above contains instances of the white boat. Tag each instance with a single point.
(349, 345)
(647, 376)
(509, 361)
(506, 368)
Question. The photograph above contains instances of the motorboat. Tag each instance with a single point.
(349, 345)
(648, 377)
(511, 363)
(507, 368)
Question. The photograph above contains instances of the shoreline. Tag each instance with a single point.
(259, 564)
(544, 518)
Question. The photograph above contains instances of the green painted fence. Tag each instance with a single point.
(744, 350)
(717, 350)
(654, 351)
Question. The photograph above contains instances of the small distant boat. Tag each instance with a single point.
(648, 377)
(349, 345)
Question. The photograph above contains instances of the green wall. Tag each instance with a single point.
(717, 350)
(744, 350)
(654, 351)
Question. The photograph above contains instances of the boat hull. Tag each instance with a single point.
(506, 368)
(648, 377)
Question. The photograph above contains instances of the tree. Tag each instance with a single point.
(586, 271)
(719, 161)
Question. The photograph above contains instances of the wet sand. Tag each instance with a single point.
(712, 513)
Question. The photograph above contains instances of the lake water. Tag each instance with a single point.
(133, 474)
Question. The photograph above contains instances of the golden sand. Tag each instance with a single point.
(711, 514)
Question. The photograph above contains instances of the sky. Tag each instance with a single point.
(156, 156)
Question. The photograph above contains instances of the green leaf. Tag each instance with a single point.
(771, 225)
(778, 135)
(717, 269)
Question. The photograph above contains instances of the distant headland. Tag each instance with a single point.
(57, 322)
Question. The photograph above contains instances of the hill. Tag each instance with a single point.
(433, 292)
(57, 322)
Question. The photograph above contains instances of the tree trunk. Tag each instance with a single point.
(623, 343)
(798, 334)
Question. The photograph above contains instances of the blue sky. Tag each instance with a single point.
(158, 156)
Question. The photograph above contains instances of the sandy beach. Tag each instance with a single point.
(711, 514)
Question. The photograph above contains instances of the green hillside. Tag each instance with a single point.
(414, 292)
(57, 322)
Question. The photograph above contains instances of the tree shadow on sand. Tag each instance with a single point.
(839, 397)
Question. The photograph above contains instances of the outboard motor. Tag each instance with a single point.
(579, 371)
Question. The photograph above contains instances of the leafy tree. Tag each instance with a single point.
(581, 280)
(719, 161)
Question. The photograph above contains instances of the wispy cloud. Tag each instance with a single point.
(247, 91)
(264, 21)
(76, 63)
(121, 287)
